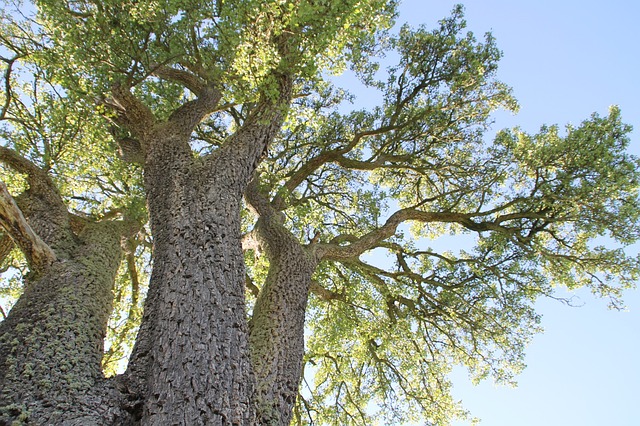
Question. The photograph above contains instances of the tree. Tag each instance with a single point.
(268, 201)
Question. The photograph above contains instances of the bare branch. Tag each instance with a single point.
(38, 253)
(7, 85)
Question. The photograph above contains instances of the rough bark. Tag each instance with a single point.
(52, 340)
(6, 245)
(192, 347)
(51, 343)
(277, 324)
(191, 362)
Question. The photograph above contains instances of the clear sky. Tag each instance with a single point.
(565, 59)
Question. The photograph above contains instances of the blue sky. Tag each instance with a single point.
(565, 59)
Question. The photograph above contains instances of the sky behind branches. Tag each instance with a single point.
(565, 59)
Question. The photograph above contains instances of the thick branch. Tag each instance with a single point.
(132, 112)
(257, 200)
(39, 181)
(254, 289)
(41, 203)
(264, 122)
(130, 150)
(346, 246)
(357, 246)
(246, 147)
(189, 115)
(20, 164)
(189, 80)
(38, 254)
(277, 325)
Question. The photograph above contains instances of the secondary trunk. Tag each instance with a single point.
(277, 323)
(51, 343)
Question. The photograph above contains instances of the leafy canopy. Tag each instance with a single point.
(436, 239)
(235, 44)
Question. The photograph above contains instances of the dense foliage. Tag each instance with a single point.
(434, 239)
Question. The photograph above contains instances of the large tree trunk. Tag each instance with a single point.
(192, 348)
(191, 361)
(51, 343)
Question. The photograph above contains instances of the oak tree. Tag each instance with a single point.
(308, 261)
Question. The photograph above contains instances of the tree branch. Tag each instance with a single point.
(189, 115)
(301, 174)
(251, 141)
(20, 164)
(257, 200)
(38, 253)
(39, 181)
(7, 85)
(6, 245)
(250, 285)
(347, 246)
(357, 246)
(324, 294)
(337, 156)
(132, 112)
(189, 80)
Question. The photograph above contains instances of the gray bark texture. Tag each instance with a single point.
(192, 348)
(192, 364)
